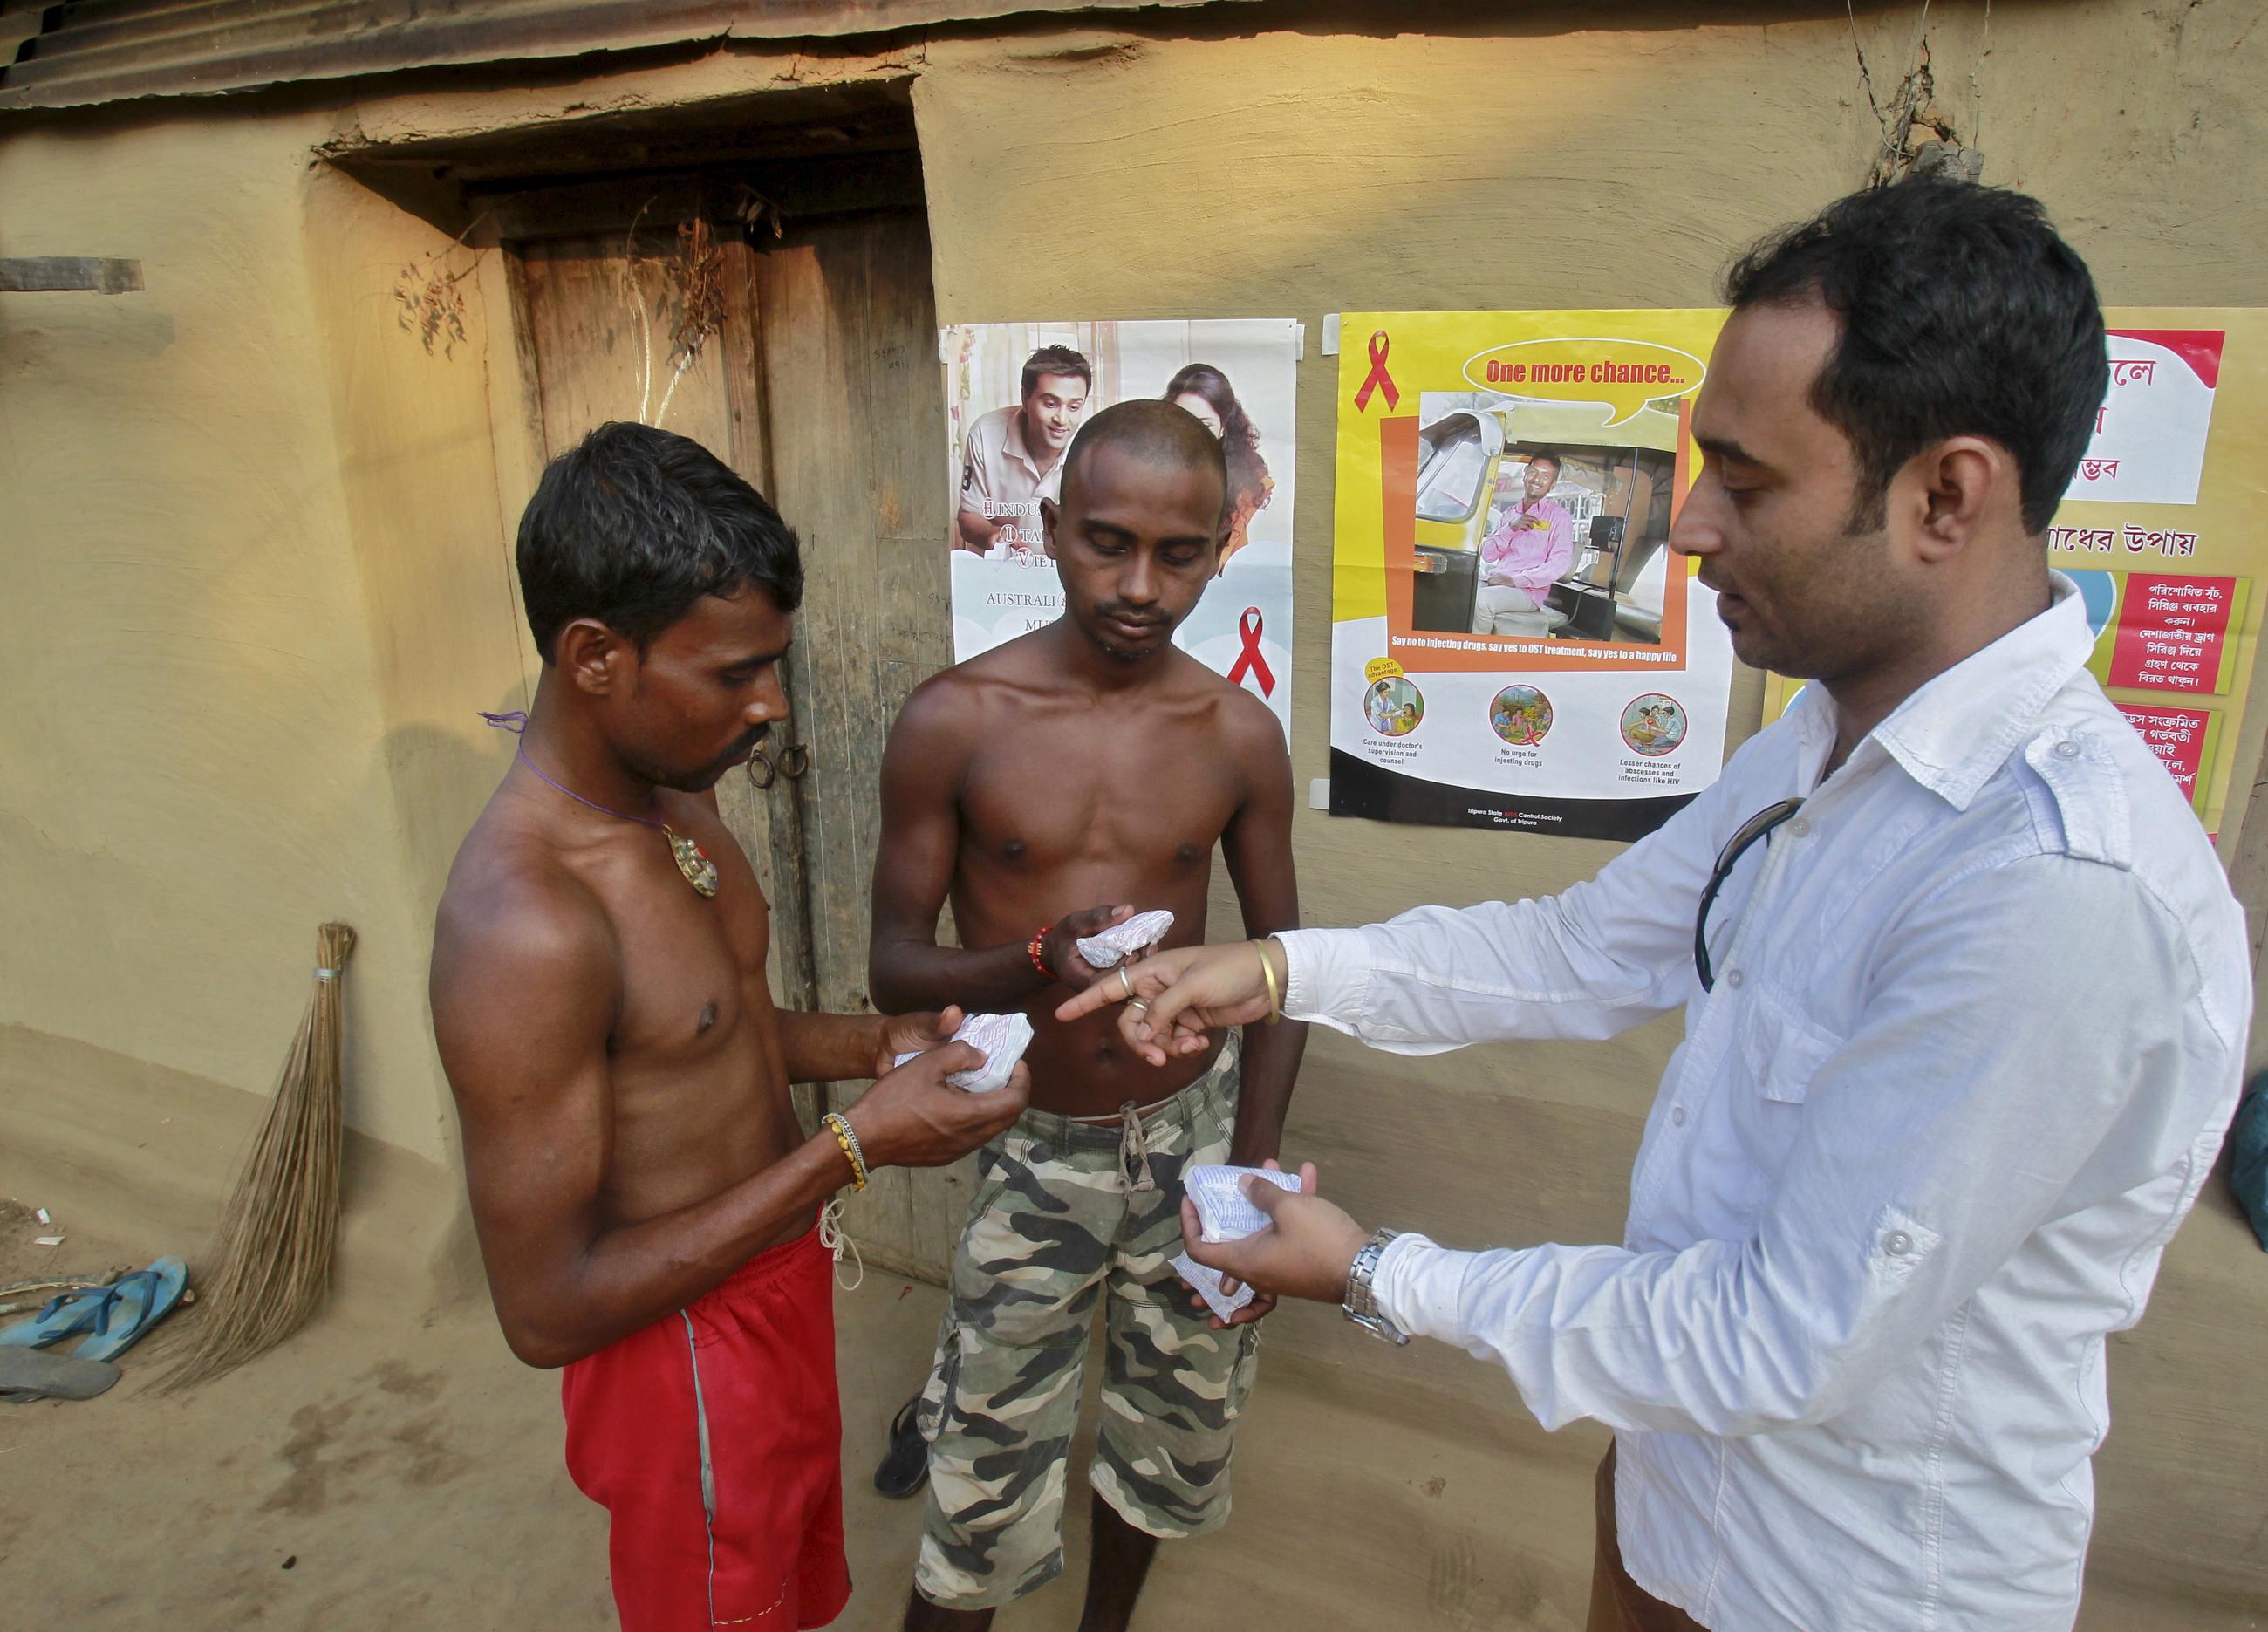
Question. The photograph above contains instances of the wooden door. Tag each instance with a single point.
(856, 412)
(596, 325)
(820, 384)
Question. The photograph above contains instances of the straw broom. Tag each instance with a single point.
(276, 1237)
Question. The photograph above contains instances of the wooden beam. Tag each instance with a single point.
(799, 190)
(22, 273)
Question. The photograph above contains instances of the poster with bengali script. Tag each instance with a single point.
(1514, 644)
(1016, 394)
(2161, 529)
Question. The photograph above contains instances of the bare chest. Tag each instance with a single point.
(686, 961)
(699, 1088)
(1078, 794)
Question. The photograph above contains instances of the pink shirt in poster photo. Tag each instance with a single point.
(1530, 549)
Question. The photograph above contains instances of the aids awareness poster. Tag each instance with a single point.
(1513, 646)
(2161, 529)
(1016, 395)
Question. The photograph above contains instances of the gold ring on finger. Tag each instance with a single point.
(1126, 981)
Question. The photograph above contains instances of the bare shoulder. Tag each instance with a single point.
(1251, 724)
(950, 705)
(946, 710)
(517, 932)
(1021, 662)
(1242, 724)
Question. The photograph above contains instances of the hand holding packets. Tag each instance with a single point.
(1225, 1214)
(1113, 946)
(1001, 1038)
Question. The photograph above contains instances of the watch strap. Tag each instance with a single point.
(1361, 1305)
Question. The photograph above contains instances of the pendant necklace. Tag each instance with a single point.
(691, 859)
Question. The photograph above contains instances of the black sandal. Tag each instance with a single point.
(905, 1465)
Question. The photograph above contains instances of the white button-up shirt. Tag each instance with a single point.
(1978, 1029)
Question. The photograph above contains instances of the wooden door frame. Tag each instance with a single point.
(890, 640)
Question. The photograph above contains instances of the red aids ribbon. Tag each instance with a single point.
(1249, 661)
(1380, 379)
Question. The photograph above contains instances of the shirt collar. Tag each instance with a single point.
(1955, 732)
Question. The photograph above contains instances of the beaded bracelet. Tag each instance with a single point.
(849, 1140)
(1034, 948)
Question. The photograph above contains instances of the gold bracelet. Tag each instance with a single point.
(841, 1130)
(1268, 974)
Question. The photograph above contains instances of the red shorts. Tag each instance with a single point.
(714, 1440)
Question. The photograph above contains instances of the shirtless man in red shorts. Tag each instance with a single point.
(645, 1200)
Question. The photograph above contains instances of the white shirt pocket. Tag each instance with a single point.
(1778, 1055)
(1784, 1050)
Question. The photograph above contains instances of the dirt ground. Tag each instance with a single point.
(388, 1473)
(384, 1472)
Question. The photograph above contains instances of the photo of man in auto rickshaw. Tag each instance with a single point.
(1524, 535)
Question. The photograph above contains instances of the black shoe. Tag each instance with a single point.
(905, 1465)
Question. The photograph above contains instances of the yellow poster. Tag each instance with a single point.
(1514, 644)
(2160, 530)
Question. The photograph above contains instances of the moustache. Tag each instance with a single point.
(749, 743)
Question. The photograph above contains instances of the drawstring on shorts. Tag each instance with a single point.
(1134, 1149)
(835, 1237)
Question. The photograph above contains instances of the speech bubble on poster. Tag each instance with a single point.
(1621, 376)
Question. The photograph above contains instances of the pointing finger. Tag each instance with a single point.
(1083, 1003)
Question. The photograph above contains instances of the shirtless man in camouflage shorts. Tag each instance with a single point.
(1090, 761)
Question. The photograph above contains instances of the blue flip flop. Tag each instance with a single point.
(60, 1318)
(117, 1314)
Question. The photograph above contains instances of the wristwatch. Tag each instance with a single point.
(1360, 1307)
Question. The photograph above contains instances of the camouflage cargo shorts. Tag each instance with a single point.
(1067, 1212)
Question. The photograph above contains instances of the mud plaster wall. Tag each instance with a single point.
(217, 649)
(254, 535)
(1303, 174)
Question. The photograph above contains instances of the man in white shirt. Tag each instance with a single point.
(1965, 990)
(1013, 456)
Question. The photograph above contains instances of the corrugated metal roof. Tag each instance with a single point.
(94, 51)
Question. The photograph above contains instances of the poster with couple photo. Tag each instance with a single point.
(1016, 394)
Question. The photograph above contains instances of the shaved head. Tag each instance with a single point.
(1157, 433)
(1137, 534)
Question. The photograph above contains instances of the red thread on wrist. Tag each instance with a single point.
(1040, 962)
